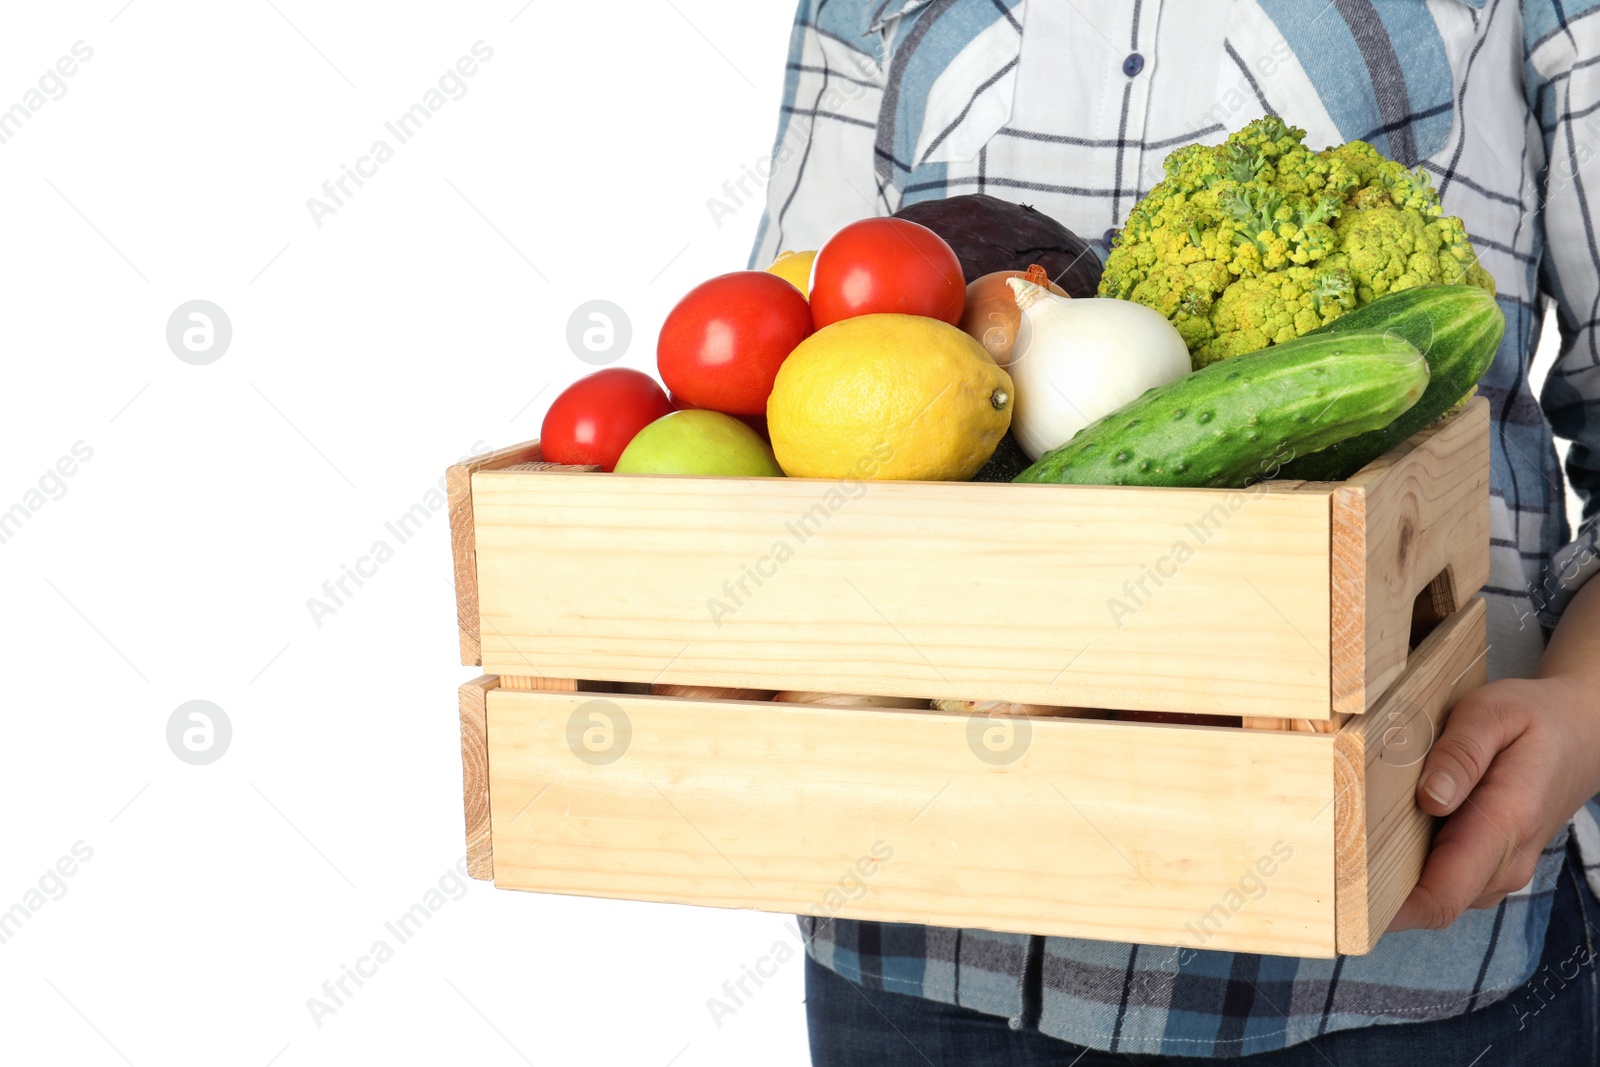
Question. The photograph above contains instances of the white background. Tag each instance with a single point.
(404, 333)
(423, 320)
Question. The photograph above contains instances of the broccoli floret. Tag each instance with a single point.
(1242, 162)
(1334, 284)
(1259, 239)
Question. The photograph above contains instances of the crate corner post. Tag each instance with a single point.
(463, 537)
(475, 775)
(1381, 835)
(1412, 524)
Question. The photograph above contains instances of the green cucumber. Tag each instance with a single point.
(1239, 420)
(1457, 328)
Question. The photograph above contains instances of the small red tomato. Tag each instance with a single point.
(886, 266)
(721, 346)
(596, 417)
(758, 423)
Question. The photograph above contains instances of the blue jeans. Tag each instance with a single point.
(855, 1027)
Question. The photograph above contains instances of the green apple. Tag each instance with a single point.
(698, 442)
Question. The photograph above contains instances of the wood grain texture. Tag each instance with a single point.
(458, 485)
(1190, 601)
(1304, 726)
(1414, 520)
(1382, 836)
(536, 683)
(1347, 567)
(1122, 831)
(475, 775)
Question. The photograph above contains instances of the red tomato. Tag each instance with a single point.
(593, 421)
(886, 266)
(758, 423)
(721, 346)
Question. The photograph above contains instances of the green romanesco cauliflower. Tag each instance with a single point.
(1259, 240)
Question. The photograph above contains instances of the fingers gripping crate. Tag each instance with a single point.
(1292, 615)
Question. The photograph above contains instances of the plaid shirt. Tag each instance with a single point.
(1071, 107)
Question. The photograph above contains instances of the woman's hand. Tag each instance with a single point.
(1516, 759)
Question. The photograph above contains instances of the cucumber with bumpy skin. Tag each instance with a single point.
(1239, 420)
(1457, 328)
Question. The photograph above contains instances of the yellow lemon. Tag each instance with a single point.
(888, 396)
(794, 268)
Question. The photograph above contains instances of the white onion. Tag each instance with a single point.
(1077, 361)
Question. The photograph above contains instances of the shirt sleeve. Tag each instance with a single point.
(1563, 87)
(821, 174)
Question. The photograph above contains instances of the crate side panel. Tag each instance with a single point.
(1382, 835)
(1164, 835)
(1160, 600)
(1425, 510)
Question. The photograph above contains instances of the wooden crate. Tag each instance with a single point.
(1284, 842)
(1292, 608)
(1290, 599)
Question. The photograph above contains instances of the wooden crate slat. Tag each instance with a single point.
(960, 591)
(1382, 835)
(747, 804)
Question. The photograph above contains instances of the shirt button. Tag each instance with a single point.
(1133, 64)
(1015, 1022)
(1108, 236)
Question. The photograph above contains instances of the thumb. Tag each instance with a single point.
(1479, 726)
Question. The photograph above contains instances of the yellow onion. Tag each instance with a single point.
(992, 317)
(1007, 707)
(708, 692)
(848, 700)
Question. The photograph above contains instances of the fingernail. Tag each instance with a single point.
(1441, 787)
